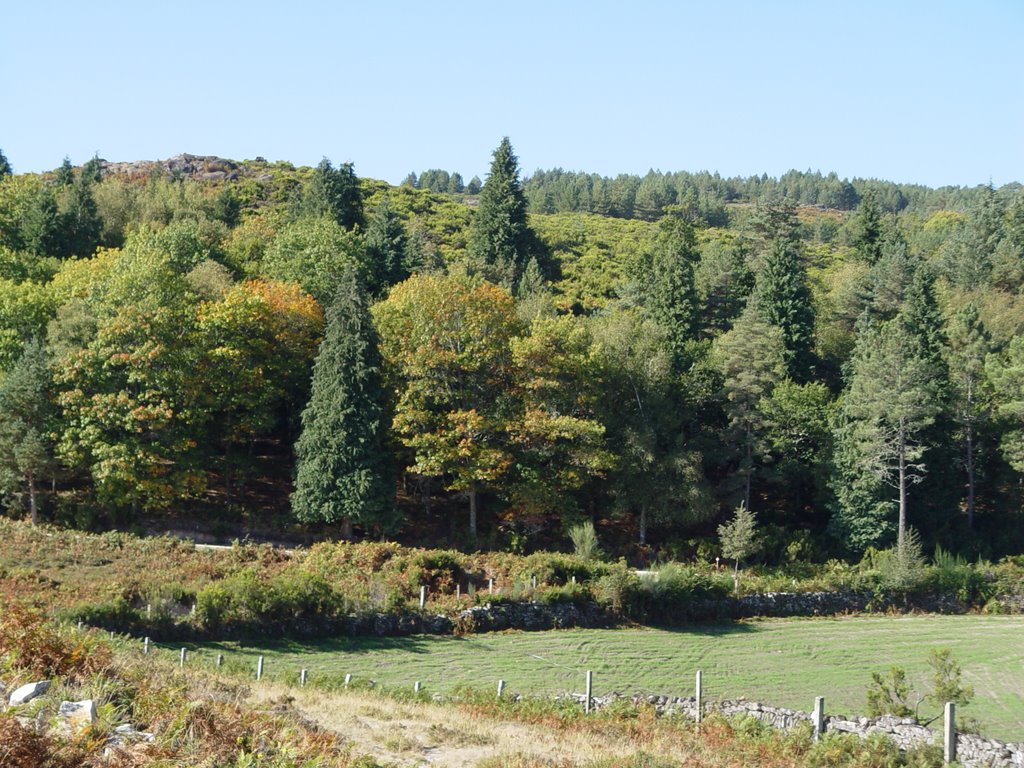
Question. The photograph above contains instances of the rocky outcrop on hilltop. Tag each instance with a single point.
(198, 167)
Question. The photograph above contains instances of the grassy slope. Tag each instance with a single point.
(786, 663)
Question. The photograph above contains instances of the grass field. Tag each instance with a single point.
(786, 663)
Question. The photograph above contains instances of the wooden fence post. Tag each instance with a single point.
(819, 717)
(949, 733)
(145, 646)
(423, 598)
(490, 586)
(259, 668)
(501, 688)
(416, 687)
(348, 679)
(220, 659)
(302, 678)
(590, 691)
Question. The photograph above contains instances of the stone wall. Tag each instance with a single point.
(972, 751)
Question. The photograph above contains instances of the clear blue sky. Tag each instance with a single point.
(927, 92)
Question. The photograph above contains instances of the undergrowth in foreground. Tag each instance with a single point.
(209, 721)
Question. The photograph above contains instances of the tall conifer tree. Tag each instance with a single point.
(343, 473)
(783, 300)
(499, 239)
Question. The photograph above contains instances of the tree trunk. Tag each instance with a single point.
(346, 528)
(472, 510)
(32, 503)
(750, 468)
(643, 524)
(227, 474)
(902, 528)
(970, 478)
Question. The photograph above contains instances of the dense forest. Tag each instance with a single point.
(489, 363)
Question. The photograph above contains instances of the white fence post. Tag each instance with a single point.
(302, 678)
(819, 717)
(259, 668)
(590, 691)
(698, 696)
(423, 597)
(949, 733)
(501, 688)
(181, 663)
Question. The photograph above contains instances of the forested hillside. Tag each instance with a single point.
(489, 363)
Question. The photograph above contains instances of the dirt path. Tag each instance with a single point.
(424, 734)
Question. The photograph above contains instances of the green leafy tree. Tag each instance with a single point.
(446, 339)
(314, 253)
(739, 536)
(132, 416)
(500, 238)
(658, 475)
(556, 436)
(26, 419)
(5, 166)
(343, 472)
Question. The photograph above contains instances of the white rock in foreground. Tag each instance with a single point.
(76, 715)
(28, 692)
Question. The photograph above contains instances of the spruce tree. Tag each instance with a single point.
(667, 283)
(782, 299)
(334, 193)
(387, 249)
(343, 469)
(867, 229)
(499, 239)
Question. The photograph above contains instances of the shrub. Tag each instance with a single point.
(620, 591)
(567, 593)
(21, 747)
(584, 541)
(29, 642)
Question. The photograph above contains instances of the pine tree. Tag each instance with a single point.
(750, 358)
(343, 473)
(26, 412)
(499, 238)
(969, 345)
(5, 166)
(891, 403)
(783, 300)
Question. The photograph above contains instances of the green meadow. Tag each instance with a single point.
(784, 663)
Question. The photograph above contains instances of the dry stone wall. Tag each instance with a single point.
(972, 751)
